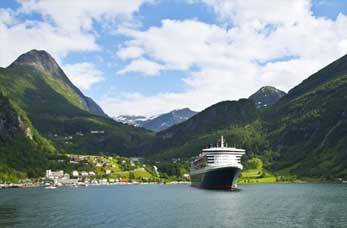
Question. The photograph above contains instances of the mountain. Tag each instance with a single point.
(44, 62)
(159, 122)
(60, 111)
(266, 96)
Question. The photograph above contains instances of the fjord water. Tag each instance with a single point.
(272, 205)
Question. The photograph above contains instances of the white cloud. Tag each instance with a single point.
(130, 53)
(144, 105)
(6, 16)
(83, 75)
(80, 14)
(277, 43)
(19, 38)
(67, 26)
(179, 44)
(269, 42)
(142, 65)
(257, 13)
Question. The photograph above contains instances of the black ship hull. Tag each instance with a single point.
(220, 178)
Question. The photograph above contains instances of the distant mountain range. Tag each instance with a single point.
(159, 122)
(132, 119)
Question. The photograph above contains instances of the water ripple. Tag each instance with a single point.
(276, 206)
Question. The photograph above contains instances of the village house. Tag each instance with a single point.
(75, 173)
(84, 174)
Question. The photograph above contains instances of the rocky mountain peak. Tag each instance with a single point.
(41, 59)
(44, 62)
(266, 96)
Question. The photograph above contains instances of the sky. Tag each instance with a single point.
(146, 57)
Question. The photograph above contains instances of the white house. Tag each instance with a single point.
(84, 174)
(54, 174)
(75, 173)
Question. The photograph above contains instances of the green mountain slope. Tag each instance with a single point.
(61, 112)
(308, 127)
(23, 151)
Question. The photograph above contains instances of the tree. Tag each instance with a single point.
(254, 163)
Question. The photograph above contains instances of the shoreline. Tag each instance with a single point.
(83, 185)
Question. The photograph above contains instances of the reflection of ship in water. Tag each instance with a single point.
(217, 167)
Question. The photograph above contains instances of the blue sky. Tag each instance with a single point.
(148, 57)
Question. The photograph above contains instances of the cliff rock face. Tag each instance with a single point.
(93, 107)
(9, 121)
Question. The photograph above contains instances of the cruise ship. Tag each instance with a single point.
(217, 167)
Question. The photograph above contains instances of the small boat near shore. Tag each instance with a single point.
(51, 187)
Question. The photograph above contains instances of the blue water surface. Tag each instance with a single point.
(259, 205)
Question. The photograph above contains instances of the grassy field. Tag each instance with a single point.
(141, 173)
(256, 176)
